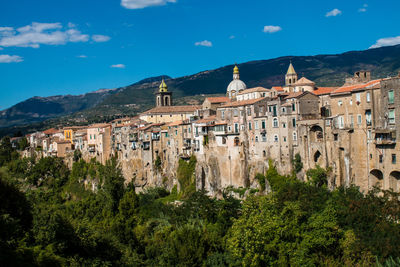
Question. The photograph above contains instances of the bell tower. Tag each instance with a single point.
(163, 97)
(291, 76)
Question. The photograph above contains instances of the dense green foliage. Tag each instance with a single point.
(86, 216)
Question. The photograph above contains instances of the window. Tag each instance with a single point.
(293, 107)
(368, 117)
(359, 119)
(235, 112)
(223, 114)
(294, 136)
(284, 125)
(190, 130)
(351, 102)
(283, 110)
(223, 140)
(340, 103)
(284, 139)
(358, 98)
(256, 125)
(275, 123)
(263, 124)
(264, 137)
(242, 127)
(236, 141)
(248, 111)
(276, 138)
(341, 122)
(369, 134)
(391, 96)
(391, 116)
(236, 127)
(256, 138)
(335, 137)
(368, 97)
(351, 121)
(176, 132)
(229, 128)
(380, 158)
(393, 158)
(294, 122)
(261, 111)
(274, 113)
(250, 126)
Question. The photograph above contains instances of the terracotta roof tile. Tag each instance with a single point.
(356, 87)
(324, 90)
(218, 99)
(205, 120)
(297, 94)
(51, 131)
(99, 125)
(278, 88)
(304, 81)
(173, 109)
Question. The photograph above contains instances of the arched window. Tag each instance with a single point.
(236, 141)
(294, 136)
(275, 123)
(223, 140)
(276, 138)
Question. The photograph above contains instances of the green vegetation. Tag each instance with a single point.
(52, 216)
(298, 164)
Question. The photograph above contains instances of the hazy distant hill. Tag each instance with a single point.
(325, 70)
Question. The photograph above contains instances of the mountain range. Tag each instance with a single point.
(325, 70)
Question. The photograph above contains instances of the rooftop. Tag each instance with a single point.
(218, 99)
(173, 109)
(252, 90)
(304, 81)
(357, 87)
(324, 90)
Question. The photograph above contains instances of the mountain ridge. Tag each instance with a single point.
(324, 69)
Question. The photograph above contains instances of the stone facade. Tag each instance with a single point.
(352, 129)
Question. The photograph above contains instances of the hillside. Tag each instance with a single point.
(325, 70)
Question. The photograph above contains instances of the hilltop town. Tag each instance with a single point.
(352, 130)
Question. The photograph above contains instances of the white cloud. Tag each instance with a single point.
(138, 4)
(203, 43)
(333, 13)
(82, 56)
(10, 59)
(232, 37)
(71, 25)
(6, 29)
(363, 9)
(37, 34)
(272, 29)
(386, 42)
(118, 66)
(100, 38)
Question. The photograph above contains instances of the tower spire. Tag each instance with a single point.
(163, 86)
(236, 75)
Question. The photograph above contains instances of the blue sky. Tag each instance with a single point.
(52, 47)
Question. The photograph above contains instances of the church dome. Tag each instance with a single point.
(235, 86)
